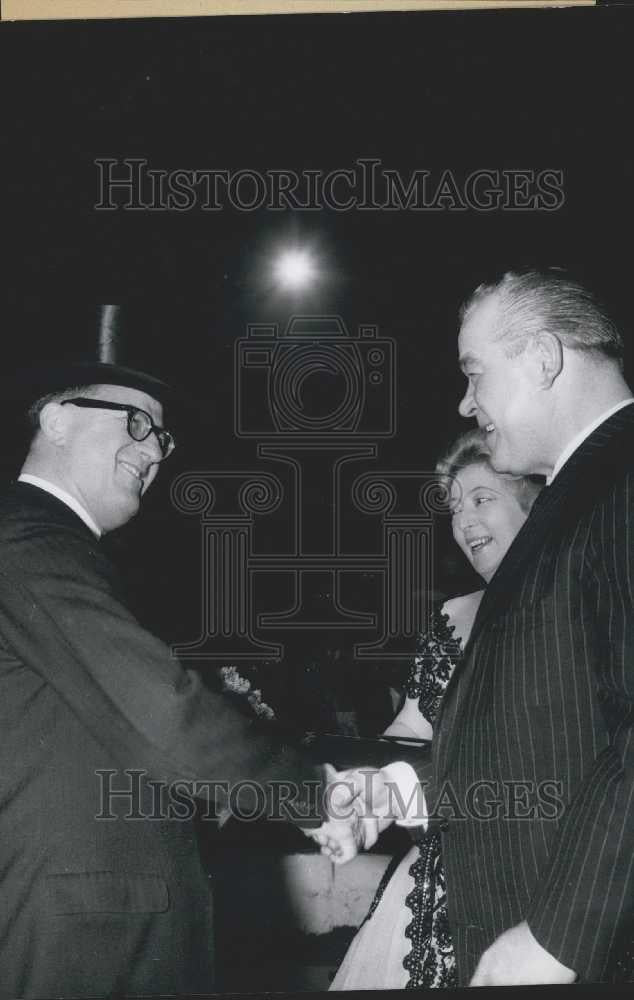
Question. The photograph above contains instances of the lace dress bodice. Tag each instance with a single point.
(437, 652)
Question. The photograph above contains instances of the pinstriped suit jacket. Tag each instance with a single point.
(533, 762)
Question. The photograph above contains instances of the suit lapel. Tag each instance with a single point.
(582, 479)
(576, 488)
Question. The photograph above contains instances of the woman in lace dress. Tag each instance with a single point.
(405, 940)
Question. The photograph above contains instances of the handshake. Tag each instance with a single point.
(360, 805)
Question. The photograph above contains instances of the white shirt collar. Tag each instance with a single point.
(66, 498)
(580, 438)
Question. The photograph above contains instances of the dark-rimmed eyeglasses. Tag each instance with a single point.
(140, 423)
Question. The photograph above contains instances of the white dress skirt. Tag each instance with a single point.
(366, 967)
(405, 940)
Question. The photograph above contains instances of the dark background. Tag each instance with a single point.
(460, 91)
(457, 91)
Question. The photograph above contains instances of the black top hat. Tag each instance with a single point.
(88, 366)
(40, 380)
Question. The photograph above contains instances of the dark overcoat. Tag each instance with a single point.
(102, 895)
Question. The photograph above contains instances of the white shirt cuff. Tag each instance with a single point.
(407, 794)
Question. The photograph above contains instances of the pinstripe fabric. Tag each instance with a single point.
(544, 697)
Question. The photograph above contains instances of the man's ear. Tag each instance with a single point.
(549, 357)
(54, 420)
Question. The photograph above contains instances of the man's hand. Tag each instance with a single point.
(356, 803)
(359, 806)
(342, 839)
(368, 785)
(517, 959)
(342, 834)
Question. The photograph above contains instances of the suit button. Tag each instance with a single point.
(444, 825)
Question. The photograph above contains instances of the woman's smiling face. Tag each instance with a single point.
(486, 516)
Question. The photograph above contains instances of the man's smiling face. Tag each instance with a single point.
(104, 468)
(502, 393)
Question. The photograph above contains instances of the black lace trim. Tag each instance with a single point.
(437, 652)
(431, 961)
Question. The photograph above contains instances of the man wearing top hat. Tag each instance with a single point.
(109, 905)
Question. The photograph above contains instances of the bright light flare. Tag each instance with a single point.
(295, 269)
